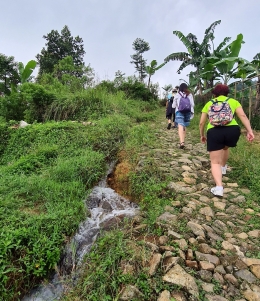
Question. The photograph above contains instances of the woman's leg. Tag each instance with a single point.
(169, 117)
(182, 133)
(216, 161)
(225, 156)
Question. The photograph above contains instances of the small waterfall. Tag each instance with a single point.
(107, 209)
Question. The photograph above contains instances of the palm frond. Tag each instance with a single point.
(177, 56)
(257, 56)
(184, 39)
(222, 44)
(211, 28)
(209, 36)
(185, 64)
(192, 38)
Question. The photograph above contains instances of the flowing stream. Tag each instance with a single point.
(106, 208)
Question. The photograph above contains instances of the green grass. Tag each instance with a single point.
(46, 172)
(102, 277)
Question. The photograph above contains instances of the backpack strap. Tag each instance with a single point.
(215, 100)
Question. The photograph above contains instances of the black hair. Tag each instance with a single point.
(183, 87)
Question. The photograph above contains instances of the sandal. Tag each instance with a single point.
(182, 145)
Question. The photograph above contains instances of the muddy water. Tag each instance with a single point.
(107, 209)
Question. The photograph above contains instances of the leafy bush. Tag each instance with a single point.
(136, 90)
(12, 107)
(4, 136)
(29, 104)
(38, 99)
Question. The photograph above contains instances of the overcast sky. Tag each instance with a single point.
(109, 27)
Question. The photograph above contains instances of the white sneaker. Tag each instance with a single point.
(217, 191)
(224, 169)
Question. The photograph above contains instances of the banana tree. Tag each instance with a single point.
(246, 71)
(26, 71)
(225, 63)
(196, 51)
(150, 70)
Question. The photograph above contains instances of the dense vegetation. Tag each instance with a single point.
(78, 125)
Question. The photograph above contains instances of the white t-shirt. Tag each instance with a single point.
(176, 101)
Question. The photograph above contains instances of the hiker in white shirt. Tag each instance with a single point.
(183, 117)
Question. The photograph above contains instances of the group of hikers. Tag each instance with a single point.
(222, 131)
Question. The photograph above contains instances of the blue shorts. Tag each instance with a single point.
(183, 118)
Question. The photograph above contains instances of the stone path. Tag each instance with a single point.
(217, 256)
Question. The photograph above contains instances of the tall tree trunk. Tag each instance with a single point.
(149, 81)
(257, 100)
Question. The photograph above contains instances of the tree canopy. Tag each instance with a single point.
(140, 46)
(59, 46)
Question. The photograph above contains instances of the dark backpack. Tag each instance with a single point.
(220, 113)
(171, 100)
(184, 104)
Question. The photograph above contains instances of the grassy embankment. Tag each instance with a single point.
(46, 172)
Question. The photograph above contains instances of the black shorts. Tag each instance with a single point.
(219, 137)
(171, 114)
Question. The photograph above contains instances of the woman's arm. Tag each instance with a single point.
(191, 102)
(203, 120)
(242, 116)
(174, 103)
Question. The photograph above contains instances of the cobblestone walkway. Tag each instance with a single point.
(220, 239)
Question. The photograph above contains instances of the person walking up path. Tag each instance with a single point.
(222, 131)
(183, 114)
(170, 111)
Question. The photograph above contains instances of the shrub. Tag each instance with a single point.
(37, 99)
(12, 107)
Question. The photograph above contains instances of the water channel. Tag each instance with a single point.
(106, 209)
